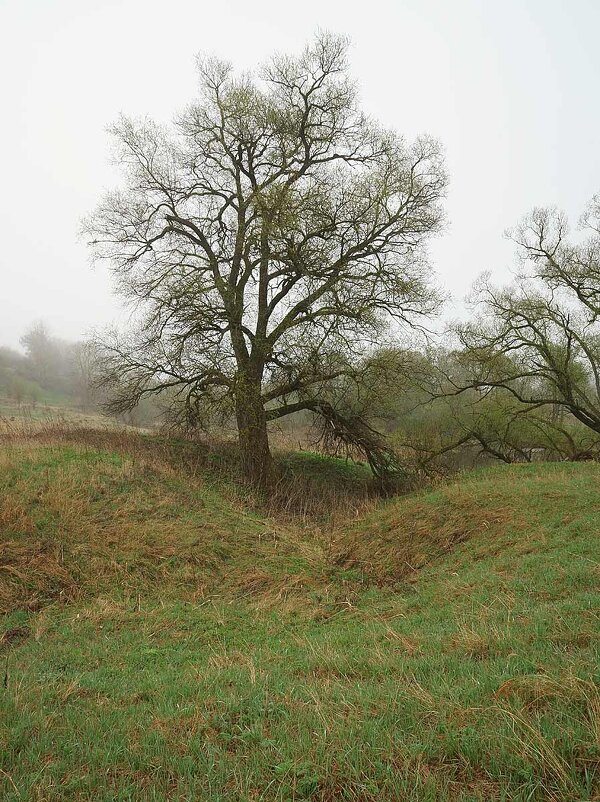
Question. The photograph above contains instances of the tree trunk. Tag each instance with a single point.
(257, 462)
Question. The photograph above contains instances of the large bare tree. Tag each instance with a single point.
(269, 236)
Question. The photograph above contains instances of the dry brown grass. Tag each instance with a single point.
(300, 497)
(32, 572)
(396, 541)
(534, 692)
(77, 522)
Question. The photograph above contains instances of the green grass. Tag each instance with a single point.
(43, 398)
(181, 647)
(322, 468)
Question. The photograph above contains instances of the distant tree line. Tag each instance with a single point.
(49, 369)
(57, 373)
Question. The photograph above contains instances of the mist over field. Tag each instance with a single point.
(507, 87)
(283, 516)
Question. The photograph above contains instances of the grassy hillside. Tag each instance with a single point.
(50, 408)
(163, 641)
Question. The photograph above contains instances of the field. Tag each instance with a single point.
(168, 637)
(51, 409)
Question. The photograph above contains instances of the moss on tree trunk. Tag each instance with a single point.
(256, 458)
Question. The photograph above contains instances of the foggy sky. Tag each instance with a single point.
(509, 86)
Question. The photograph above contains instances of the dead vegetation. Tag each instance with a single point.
(82, 508)
(309, 487)
(77, 518)
(394, 542)
(296, 633)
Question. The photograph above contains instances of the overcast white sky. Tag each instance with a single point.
(511, 87)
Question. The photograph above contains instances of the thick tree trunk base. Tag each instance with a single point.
(256, 459)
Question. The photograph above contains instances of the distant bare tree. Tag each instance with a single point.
(46, 355)
(540, 339)
(82, 373)
(268, 238)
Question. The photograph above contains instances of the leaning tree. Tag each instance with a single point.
(267, 238)
(539, 340)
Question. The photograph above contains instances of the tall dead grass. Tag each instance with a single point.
(398, 540)
(522, 702)
(77, 520)
(297, 497)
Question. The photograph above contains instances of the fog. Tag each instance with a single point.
(509, 87)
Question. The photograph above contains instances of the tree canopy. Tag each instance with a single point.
(267, 238)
